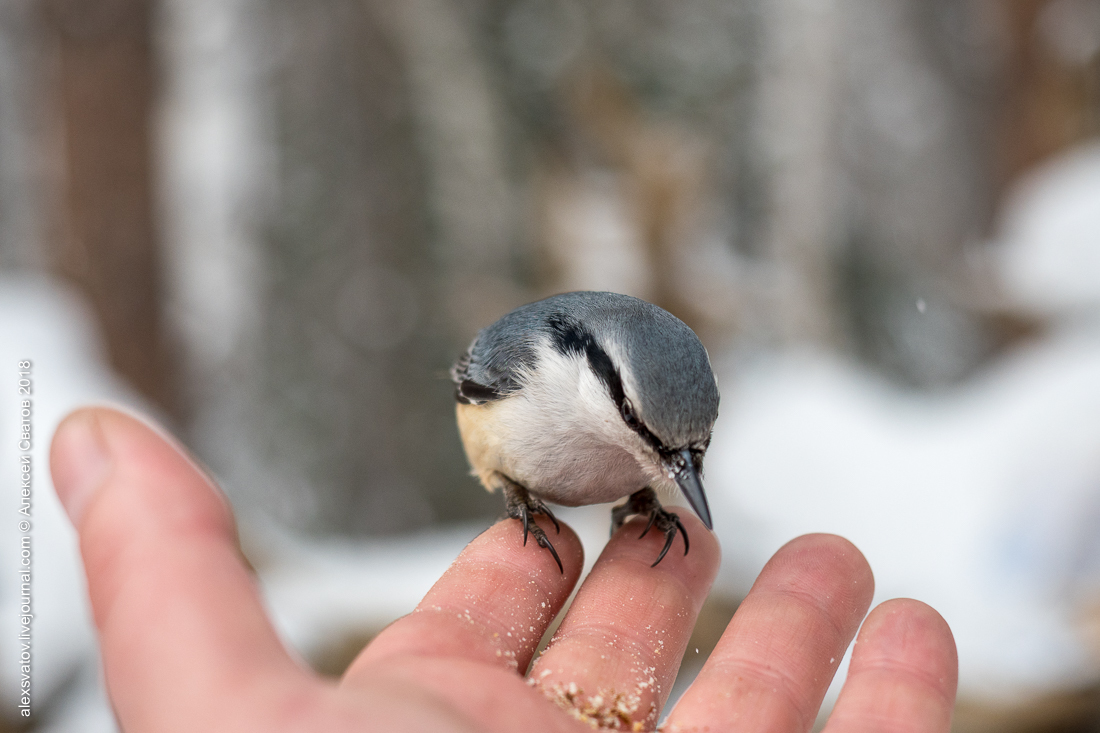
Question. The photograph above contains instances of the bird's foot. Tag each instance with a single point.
(645, 502)
(522, 505)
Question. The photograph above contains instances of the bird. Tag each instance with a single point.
(584, 398)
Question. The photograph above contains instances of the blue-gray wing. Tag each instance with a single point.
(494, 365)
(471, 391)
(489, 370)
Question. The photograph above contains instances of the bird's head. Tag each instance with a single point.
(646, 380)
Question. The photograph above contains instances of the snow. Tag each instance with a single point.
(321, 591)
(1050, 235)
(42, 321)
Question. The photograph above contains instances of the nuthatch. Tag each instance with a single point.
(584, 398)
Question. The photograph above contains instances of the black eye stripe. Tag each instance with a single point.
(571, 338)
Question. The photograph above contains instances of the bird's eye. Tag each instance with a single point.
(629, 417)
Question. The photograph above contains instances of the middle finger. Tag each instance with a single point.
(616, 654)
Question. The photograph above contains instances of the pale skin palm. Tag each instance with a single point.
(187, 646)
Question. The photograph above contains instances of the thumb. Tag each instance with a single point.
(180, 619)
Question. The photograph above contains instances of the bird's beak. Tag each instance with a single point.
(683, 472)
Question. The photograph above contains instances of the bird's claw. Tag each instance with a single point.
(544, 542)
(539, 535)
(645, 502)
(542, 508)
(672, 524)
(521, 505)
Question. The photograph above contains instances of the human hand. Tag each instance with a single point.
(187, 646)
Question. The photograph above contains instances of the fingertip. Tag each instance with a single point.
(80, 461)
(823, 564)
(904, 671)
(832, 546)
(150, 472)
(915, 634)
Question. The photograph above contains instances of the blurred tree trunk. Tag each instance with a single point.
(21, 132)
(1050, 83)
(355, 417)
(109, 245)
(797, 131)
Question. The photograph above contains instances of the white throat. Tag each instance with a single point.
(567, 439)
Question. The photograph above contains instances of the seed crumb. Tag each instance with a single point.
(606, 710)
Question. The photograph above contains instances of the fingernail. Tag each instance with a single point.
(81, 462)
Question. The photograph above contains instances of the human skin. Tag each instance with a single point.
(186, 644)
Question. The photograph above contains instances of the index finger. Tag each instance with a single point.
(471, 639)
(492, 605)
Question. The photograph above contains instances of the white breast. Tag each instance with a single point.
(563, 438)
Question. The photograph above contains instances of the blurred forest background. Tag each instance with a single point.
(290, 217)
